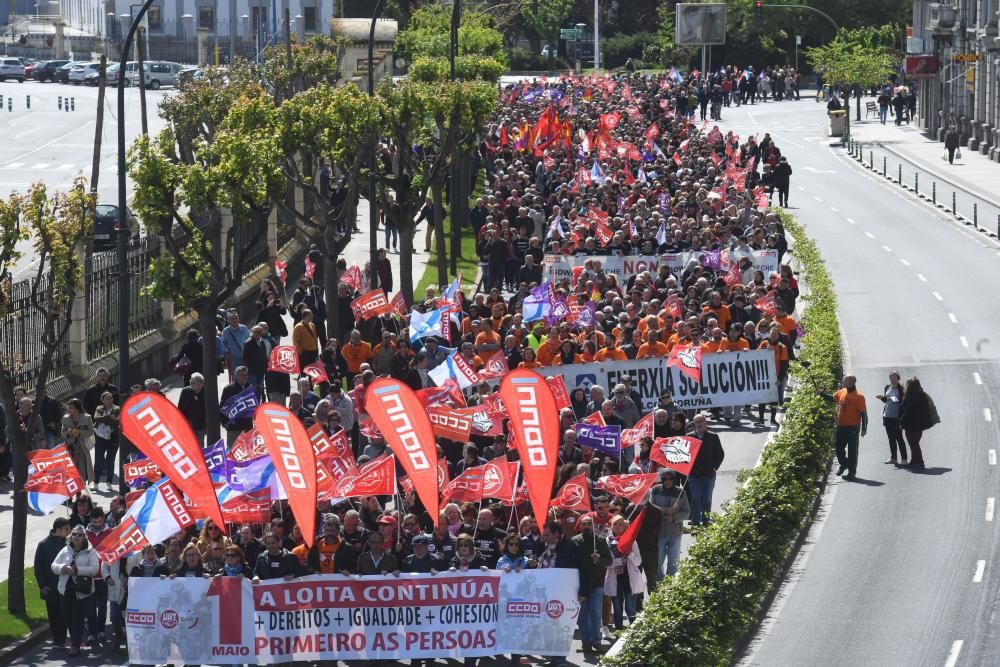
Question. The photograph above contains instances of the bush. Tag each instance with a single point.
(619, 48)
(698, 617)
(524, 60)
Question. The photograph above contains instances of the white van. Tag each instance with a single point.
(157, 73)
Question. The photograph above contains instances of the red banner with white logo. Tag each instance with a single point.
(643, 429)
(59, 460)
(352, 278)
(558, 385)
(124, 539)
(631, 487)
(534, 421)
(677, 452)
(447, 393)
(159, 430)
(466, 488)
(397, 305)
(247, 447)
(142, 468)
(495, 368)
(283, 359)
(449, 423)
(407, 429)
(254, 507)
(499, 478)
(596, 419)
(370, 304)
(574, 495)
(316, 372)
(687, 358)
(375, 478)
(294, 461)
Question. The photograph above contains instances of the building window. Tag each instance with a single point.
(154, 20)
(309, 14)
(206, 18)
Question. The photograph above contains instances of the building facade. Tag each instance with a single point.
(964, 89)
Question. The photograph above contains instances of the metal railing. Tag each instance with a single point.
(247, 239)
(102, 297)
(21, 331)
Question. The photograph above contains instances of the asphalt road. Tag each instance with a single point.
(46, 144)
(900, 568)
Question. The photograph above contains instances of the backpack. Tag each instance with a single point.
(932, 411)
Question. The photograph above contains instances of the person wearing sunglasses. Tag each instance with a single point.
(234, 564)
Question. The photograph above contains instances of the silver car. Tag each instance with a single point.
(11, 68)
(157, 74)
(80, 72)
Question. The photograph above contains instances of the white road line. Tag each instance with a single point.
(956, 648)
(980, 570)
(964, 341)
(992, 456)
(951, 316)
(937, 296)
(990, 505)
(903, 262)
(42, 165)
(854, 222)
(801, 188)
(14, 165)
(66, 167)
(887, 248)
(870, 235)
(818, 199)
(987, 415)
(976, 378)
(835, 209)
(921, 276)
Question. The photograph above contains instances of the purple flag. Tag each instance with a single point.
(665, 202)
(605, 439)
(241, 405)
(216, 460)
(586, 315)
(712, 259)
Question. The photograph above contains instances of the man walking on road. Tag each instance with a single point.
(852, 418)
(951, 143)
(701, 482)
(782, 175)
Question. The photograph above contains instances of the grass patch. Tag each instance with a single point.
(699, 617)
(468, 263)
(13, 627)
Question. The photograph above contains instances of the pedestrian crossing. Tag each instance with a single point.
(48, 166)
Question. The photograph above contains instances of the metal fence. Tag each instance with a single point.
(251, 237)
(103, 294)
(21, 332)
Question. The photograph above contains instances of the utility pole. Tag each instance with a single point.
(373, 163)
(597, 37)
(95, 170)
(459, 162)
(141, 49)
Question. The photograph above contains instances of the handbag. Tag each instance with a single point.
(181, 365)
(958, 153)
(80, 585)
(932, 411)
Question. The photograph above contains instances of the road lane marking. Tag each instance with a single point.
(41, 165)
(853, 222)
(992, 456)
(921, 276)
(903, 262)
(980, 570)
(964, 341)
(951, 316)
(956, 648)
(976, 378)
(870, 235)
(987, 415)
(887, 248)
(835, 209)
(801, 188)
(65, 167)
(14, 165)
(990, 506)
(937, 296)
(818, 199)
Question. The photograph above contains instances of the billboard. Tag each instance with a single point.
(922, 67)
(700, 24)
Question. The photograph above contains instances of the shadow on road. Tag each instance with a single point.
(929, 471)
(864, 482)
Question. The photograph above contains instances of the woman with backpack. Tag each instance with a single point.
(916, 415)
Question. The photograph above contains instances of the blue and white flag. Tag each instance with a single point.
(661, 234)
(241, 405)
(425, 325)
(249, 476)
(456, 368)
(597, 174)
(161, 512)
(606, 439)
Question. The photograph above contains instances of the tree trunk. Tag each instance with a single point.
(857, 101)
(460, 204)
(207, 327)
(331, 281)
(19, 516)
(406, 233)
(439, 241)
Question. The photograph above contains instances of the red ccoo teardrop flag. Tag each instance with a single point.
(534, 421)
(159, 430)
(292, 453)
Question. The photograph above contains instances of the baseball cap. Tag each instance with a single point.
(421, 539)
(386, 520)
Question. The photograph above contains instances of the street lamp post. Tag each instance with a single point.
(372, 208)
(459, 171)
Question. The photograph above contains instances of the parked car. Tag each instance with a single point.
(106, 226)
(11, 68)
(61, 74)
(46, 70)
(157, 74)
(79, 73)
(188, 75)
(29, 70)
(93, 78)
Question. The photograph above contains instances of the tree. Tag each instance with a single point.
(862, 58)
(58, 224)
(546, 17)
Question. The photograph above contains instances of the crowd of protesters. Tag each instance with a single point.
(621, 167)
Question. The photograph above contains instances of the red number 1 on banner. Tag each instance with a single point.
(229, 590)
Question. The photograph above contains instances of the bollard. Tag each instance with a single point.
(953, 209)
(72, 103)
(884, 164)
(998, 225)
(10, 104)
(975, 215)
(27, 101)
(916, 183)
(66, 106)
(934, 193)
(899, 179)
(60, 103)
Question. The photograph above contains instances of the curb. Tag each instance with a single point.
(967, 190)
(25, 644)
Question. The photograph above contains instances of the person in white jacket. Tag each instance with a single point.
(77, 565)
(624, 580)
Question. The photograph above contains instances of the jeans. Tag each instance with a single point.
(847, 447)
(391, 230)
(701, 498)
(97, 616)
(105, 452)
(669, 555)
(74, 613)
(623, 601)
(883, 112)
(895, 437)
(57, 621)
(590, 617)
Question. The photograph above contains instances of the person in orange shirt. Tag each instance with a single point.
(773, 342)
(734, 342)
(718, 310)
(488, 341)
(652, 347)
(852, 418)
(567, 354)
(681, 337)
(547, 351)
(356, 352)
(589, 353)
(648, 322)
(529, 359)
(789, 328)
(611, 352)
(468, 353)
(714, 344)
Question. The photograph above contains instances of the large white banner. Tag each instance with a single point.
(227, 620)
(727, 378)
(559, 267)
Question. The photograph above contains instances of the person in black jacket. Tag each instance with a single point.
(255, 358)
(422, 560)
(782, 174)
(92, 397)
(150, 566)
(706, 465)
(915, 417)
(191, 403)
(271, 309)
(48, 581)
(192, 349)
(277, 562)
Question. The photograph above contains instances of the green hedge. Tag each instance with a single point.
(699, 617)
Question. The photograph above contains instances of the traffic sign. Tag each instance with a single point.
(570, 33)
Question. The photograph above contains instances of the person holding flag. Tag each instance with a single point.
(671, 509)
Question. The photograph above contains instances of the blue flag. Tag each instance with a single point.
(606, 439)
(241, 405)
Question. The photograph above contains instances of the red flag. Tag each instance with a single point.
(247, 447)
(370, 304)
(352, 278)
(442, 474)
(534, 421)
(496, 367)
(688, 359)
(733, 276)
(253, 507)
(61, 480)
(642, 429)
(768, 304)
(627, 539)
(450, 423)
(499, 477)
(126, 538)
(631, 487)
(603, 233)
(677, 159)
(310, 268)
(327, 447)
(557, 383)
(397, 305)
(675, 306)
(283, 359)
(294, 461)
(466, 488)
(597, 419)
(281, 268)
(440, 395)
(574, 494)
(504, 137)
(375, 478)
(159, 430)
(317, 372)
(368, 428)
(652, 132)
(142, 468)
(677, 453)
(408, 431)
